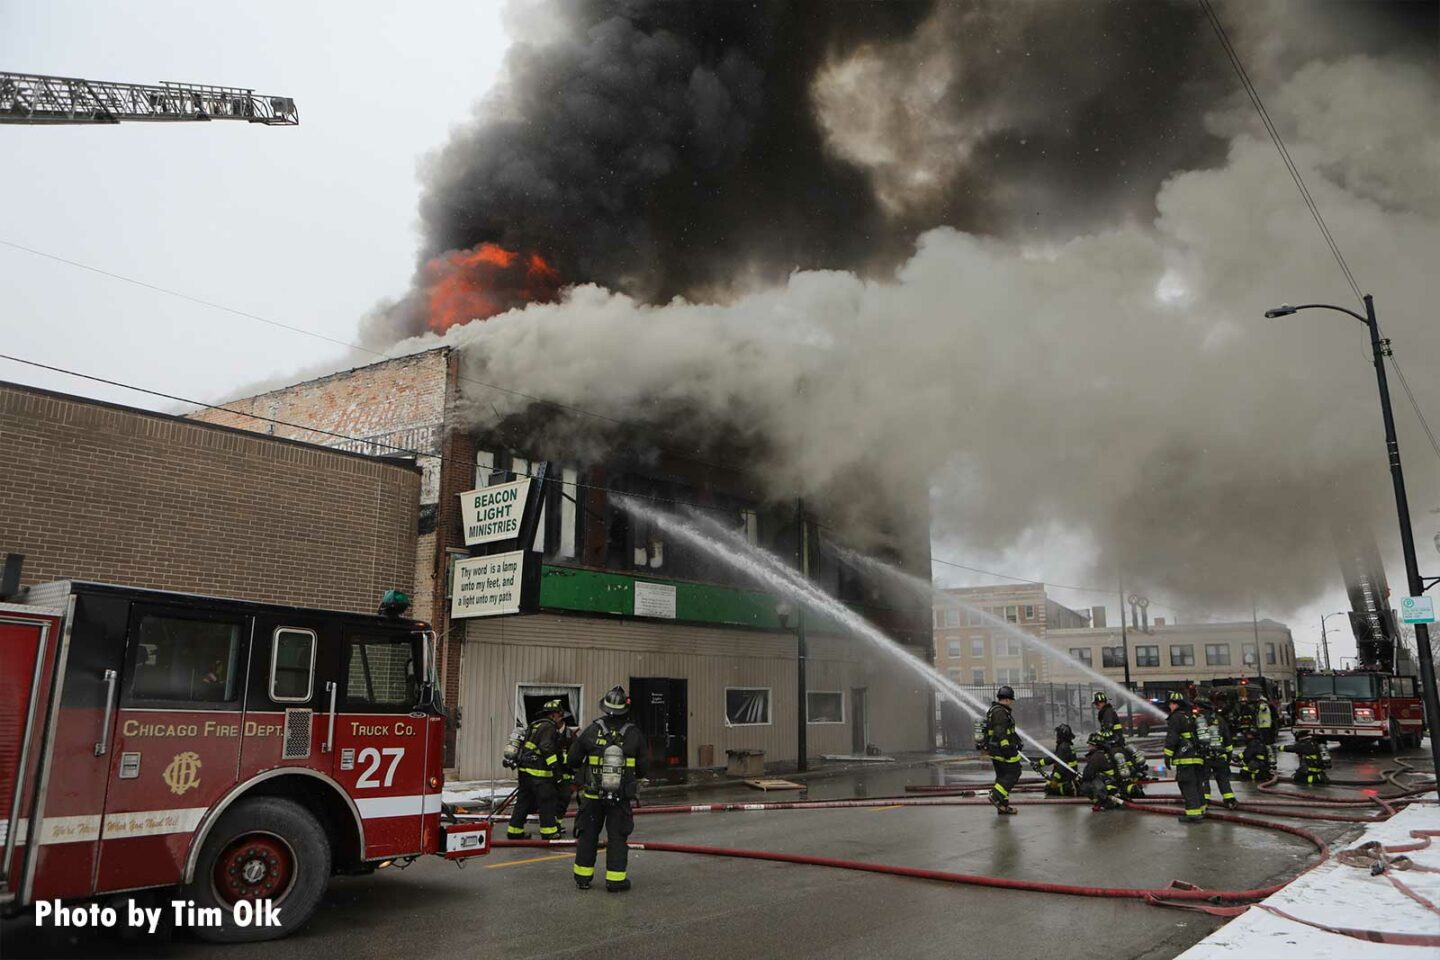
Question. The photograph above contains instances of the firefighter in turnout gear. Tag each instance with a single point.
(1265, 720)
(1183, 754)
(1059, 781)
(1258, 760)
(1314, 759)
(1002, 743)
(1213, 731)
(1109, 721)
(1099, 779)
(541, 761)
(610, 756)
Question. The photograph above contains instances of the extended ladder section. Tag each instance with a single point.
(31, 98)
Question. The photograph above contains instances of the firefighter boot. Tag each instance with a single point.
(1004, 809)
(617, 886)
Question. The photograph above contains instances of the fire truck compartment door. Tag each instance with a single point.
(26, 657)
(175, 748)
(380, 738)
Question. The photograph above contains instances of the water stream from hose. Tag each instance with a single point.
(738, 553)
(925, 590)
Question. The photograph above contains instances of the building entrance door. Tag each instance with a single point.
(661, 710)
(859, 721)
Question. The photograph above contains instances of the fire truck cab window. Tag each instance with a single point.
(380, 671)
(190, 661)
(292, 665)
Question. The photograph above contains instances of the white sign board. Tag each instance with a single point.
(493, 513)
(486, 586)
(655, 600)
(1417, 609)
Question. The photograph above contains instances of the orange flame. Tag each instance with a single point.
(465, 285)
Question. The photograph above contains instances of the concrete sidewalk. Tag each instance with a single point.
(1338, 895)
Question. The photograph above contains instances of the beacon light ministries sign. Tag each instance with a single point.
(494, 513)
(486, 586)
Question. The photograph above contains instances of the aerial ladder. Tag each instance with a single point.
(32, 98)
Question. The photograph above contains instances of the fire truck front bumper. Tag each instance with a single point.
(1322, 732)
(460, 841)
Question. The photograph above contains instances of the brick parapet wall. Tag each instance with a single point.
(385, 409)
(94, 491)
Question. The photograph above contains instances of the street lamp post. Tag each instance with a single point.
(1324, 638)
(1380, 349)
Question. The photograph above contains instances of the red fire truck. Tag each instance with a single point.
(1354, 705)
(235, 751)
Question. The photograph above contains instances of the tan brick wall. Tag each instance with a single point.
(97, 492)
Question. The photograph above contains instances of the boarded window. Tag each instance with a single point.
(825, 706)
(292, 665)
(187, 660)
(747, 706)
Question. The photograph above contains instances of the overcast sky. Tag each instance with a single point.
(308, 226)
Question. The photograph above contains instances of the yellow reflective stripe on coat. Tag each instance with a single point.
(552, 759)
(1190, 760)
(536, 773)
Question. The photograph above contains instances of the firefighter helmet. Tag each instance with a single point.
(1100, 697)
(1176, 698)
(1005, 693)
(554, 706)
(615, 702)
(1063, 732)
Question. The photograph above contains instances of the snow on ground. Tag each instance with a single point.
(476, 791)
(1339, 895)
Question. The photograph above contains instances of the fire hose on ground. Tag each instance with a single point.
(1177, 894)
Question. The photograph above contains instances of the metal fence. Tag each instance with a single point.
(1038, 708)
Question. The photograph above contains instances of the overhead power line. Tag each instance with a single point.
(1279, 142)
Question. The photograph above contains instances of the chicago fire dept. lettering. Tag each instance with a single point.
(210, 728)
(183, 773)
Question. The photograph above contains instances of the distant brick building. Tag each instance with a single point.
(98, 491)
(708, 660)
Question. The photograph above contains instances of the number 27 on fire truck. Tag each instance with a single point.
(236, 751)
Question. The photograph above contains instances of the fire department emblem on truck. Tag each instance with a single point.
(183, 773)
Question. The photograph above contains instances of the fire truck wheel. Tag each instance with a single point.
(263, 848)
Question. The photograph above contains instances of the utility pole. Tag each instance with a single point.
(1125, 650)
(1380, 349)
(802, 539)
(1255, 625)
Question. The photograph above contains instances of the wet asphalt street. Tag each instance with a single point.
(519, 903)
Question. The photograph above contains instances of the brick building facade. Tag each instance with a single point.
(98, 491)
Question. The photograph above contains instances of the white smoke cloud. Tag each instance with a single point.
(1121, 386)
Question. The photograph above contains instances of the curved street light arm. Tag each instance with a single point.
(1327, 306)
